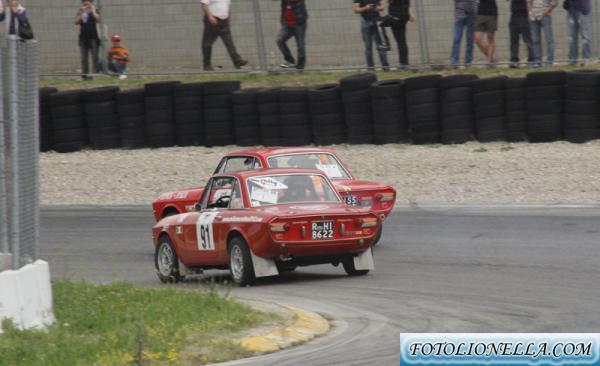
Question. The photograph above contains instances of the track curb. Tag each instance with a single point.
(306, 326)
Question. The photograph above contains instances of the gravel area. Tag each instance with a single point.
(473, 173)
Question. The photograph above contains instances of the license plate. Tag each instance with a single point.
(352, 200)
(322, 230)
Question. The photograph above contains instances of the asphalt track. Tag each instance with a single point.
(444, 269)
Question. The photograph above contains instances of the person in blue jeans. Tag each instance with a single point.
(293, 24)
(464, 22)
(369, 11)
(541, 20)
(580, 22)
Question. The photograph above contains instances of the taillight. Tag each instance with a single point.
(367, 222)
(384, 197)
(279, 227)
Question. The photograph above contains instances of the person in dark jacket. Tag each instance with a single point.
(87, 18)
(519, 27)
(401, 9)
(17, 15)
(294, 17)
(369, 13)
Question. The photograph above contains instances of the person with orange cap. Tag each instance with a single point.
(118, 57)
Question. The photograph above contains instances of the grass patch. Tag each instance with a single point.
(263, 79)
(120, 324)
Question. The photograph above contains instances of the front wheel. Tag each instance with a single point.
(166, 262)
(351, 269)
(240, 262)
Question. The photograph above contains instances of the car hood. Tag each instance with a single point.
(350, 185)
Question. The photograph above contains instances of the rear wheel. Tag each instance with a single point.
(240, 262)
(351, 269)
(166, 262)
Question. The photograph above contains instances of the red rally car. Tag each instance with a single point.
(259, 223)
(379, 198)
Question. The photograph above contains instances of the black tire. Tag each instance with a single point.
(100, 108)
(488, 98)
(489, 84)
(457, 81)
(456, 136)
(324, 93)
(515, 83)
(160, 102)
(348, 265)
(160, 88)
(457, 108)
(131, 96)
(588, 93)
(582, 136)
(188, 90)
(461, 94)
(68, 123)
(67, 147)
(221, 87)
(545, 92)
(67, 111)
(422, 96)
(357, 82)
(546, 78)
(131, 110)
(240, 262)
(101, 94)
(167, 266)
(583, 78)
(70, 135)
(422, 82)
(387, 89)
(68, 97)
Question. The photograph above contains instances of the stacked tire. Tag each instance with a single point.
(132, 126)
(326, 114)
(102, 118)
(488, 104)
(458, 119)
(218, 116)
(268, 116)
(69, 131)
(423, 108)
(296, 129)
(387, 104)
(46, 140)
(516, 110)
(583, 108)
(158, 101)
(545, 94)
(246, 119)
(189, 119)
(356, 96)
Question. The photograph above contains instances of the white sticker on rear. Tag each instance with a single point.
(268, 183)
(264, 195)
(331, 170)
(204, 230)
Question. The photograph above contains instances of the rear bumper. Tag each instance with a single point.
(315, 249)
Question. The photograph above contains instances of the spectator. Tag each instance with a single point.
(293, 24)
(540, 19)
(17, 16)
(401, 9)
(369, 11)
(217, 24)
(465, 12)
(486, 22)
(580, 22)
(118, 57)
(519, 28)
(87, 19)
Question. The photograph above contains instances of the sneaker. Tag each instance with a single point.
(241, 63)
(287, 65)
(208, 68)
(122, 77)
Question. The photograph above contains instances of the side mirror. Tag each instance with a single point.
(198, 206)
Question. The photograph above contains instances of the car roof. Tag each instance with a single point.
(264, 172)
(276, 150)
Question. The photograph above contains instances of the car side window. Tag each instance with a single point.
(237, 201)
(239, 163)
(220, 192)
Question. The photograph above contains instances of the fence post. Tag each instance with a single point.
(13, 149)
(260, 38)
(4, 245)
(421, 24)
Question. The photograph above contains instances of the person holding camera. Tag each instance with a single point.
(369, 12)
(17, 18)
(87, 18)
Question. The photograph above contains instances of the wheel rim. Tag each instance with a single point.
(166, 259)
(237, 262)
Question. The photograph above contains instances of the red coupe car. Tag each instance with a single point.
(259, 223)
(378, 197)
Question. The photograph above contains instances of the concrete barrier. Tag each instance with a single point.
(26, 296)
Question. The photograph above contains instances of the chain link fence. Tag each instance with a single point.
(19, 146)
(165, 36)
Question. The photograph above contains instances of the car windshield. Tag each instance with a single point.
(327, 163)
(283, 189)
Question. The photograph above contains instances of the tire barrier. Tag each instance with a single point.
(516, 110)
(583, 111)
(159, 117)
(545, 95)
(356, 96)
(46, 141)
(132, 112)
(218, 114)
(458, 120)
(102, 118)
(246, 119)
(423, 108)
(69, 132)
(389, 112)
(488, 104)
(542, 107)
(189, 116)
(327, 114)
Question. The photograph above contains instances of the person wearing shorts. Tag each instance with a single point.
(486, 24)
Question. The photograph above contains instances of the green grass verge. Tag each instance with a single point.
(261, 79)
(120, 324)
